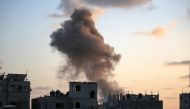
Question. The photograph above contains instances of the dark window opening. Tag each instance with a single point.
(78, 88)
(77, 105)
(20, 87)
(24, 88)
(186, 101)
(13, 87)
(1, 104)
(13, 103)
(92, 94)
(59, 105)
(1, 87)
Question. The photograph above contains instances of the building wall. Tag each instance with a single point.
(132, 101)
(50, 102)
(15, 93)
(185, 101)
(81, 95)
(84, 95)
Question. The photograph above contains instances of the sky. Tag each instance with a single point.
(151, 36)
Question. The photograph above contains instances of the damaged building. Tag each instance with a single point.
(81, 95)
(14, 91)
(133, 101)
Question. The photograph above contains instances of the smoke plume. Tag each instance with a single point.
(85, 51)
(183, 62)
(98, 7)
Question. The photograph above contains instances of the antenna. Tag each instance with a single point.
(26, 74)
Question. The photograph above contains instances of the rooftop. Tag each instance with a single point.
(83, 82)
(13, 77)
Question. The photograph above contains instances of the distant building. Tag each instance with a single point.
(133, 101)
(185, 101)
(81, 95)
(14, 91)
(56, 100)
(84, 95)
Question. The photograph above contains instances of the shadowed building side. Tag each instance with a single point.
(133, 101)
(56, 100)
(185, 101)
(14, 91)
(81, 95)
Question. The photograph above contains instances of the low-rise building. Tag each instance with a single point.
(14, 91)
(133, 101)
(56, 100)
(81, 95)
(84, 95)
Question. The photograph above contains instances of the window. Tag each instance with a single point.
(20, 88)
(92, 94)
(186, 101)
(13, 103)
(78, 88)
(1, 104)
(24, 87)
(13, 87)
(1, 87)
(59, 105)
(77, 105)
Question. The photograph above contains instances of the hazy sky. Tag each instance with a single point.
(153, 38)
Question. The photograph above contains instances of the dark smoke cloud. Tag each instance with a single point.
(85, 51)
(184, 77)
(68, 6)
(1, 65)
(54, 15)
(169, 88)
(188, 13)
(39, 91)
(118, 3)
(184, 62)
(40, 88)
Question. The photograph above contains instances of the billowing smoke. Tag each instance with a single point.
(85, 51)
(68, 5)
(98, 7)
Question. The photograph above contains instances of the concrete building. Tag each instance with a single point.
(56, 100)
(84, 95)
(185, 101)
(133, 101)
(14, 90)
(81, 95)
